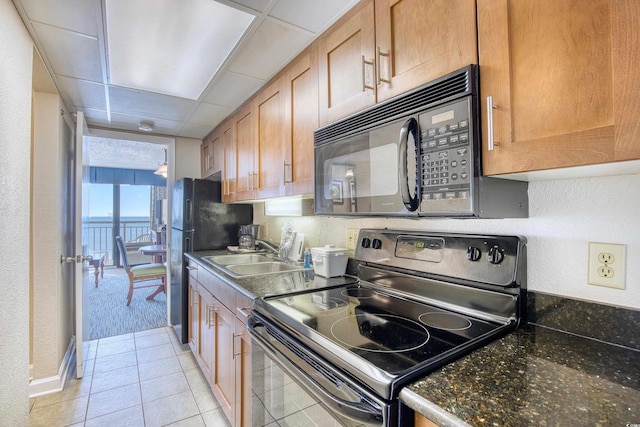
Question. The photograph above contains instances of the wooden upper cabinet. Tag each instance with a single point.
(563, 81)
(300, 91)
(245, 152)
(217, 154)
(230, 172)
(420, 40)
(267, 109)
(379, 51)
(206, 153)
(346, 64)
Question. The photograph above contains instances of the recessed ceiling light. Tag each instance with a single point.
(170, 47)
(146, 126)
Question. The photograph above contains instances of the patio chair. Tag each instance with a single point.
(142, 273)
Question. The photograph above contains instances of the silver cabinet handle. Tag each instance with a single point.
(378, 76)
(364, 76)
(284, 172)
(490, 136)
(211, 310)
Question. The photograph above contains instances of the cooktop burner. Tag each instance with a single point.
(446, 321)
(383, 333)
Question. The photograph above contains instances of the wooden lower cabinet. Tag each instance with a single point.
(223, 378)
(221, 344)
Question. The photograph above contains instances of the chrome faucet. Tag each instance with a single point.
(269, 245)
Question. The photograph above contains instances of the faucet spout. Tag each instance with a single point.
(268, 245)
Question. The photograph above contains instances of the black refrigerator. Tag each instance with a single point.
(199, 221)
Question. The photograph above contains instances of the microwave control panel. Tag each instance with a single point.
(446, 151)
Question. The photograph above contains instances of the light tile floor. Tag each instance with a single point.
(142, 379)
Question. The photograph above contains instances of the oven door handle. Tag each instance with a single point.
(363, 411)
(409, 127)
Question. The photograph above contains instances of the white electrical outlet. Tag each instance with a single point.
(607, 263)
(352, 238)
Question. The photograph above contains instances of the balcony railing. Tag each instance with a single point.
(101, 237)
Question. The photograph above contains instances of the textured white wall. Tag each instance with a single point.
(45, 227)
(564, 216)
(15, 136)
(187, 158)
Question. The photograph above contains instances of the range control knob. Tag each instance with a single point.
(473, 253)
(495, 255)
(377, 244)
(366, 242)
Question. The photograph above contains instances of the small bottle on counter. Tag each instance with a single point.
(307, 258)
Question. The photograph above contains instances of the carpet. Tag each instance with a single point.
(109, 314)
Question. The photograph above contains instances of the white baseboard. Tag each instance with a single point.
(55, 383)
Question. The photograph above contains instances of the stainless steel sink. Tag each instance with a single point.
(238, 259)
(245, 265)
(261, 268)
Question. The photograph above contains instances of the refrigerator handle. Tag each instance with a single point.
(187, 244)
(189, 213)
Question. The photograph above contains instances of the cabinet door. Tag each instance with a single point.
(217, 153)
(301, 119)
(208, 311)
(245, 145)
(194, 316)
(268, 116)
(205, 158)
(420, 40)
(223, 384)
(242, 361)
(562, 81)
(230, 167)
(346, 64)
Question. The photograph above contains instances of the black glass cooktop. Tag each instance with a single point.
(390, 332)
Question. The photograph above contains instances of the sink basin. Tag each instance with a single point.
(243, 265)
(261, 268)
(238, 259)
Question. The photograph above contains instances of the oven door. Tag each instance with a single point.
(347, 402)
(372, 172)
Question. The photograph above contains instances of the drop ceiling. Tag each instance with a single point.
(186, 77)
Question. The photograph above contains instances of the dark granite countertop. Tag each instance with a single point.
(535, 375)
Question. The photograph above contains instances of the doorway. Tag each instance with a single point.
(127, 199)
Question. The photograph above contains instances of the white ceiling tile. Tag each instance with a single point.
(96, 117)
(161, 126)
(138, 102)
(71, 54)
(233, 89)
(83, 93)
(191, 130)
(257, 5)
(206, 114)
(312, 15)
(259, 59)
(82, 16)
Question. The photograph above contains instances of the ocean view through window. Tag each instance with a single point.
(123, 210)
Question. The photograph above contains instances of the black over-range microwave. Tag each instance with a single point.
(418, 154)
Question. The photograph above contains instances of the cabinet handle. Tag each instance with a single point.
(364, 77)
(194, 297)
(249, 181)
(378, 76)
(284, 172)
(490, 137)
(239, 335)
(211, 309)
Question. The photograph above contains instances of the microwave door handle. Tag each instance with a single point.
(409, 127)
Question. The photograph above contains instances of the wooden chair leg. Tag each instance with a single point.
(130, 292)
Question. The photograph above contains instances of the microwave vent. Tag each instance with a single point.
(449, 87)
